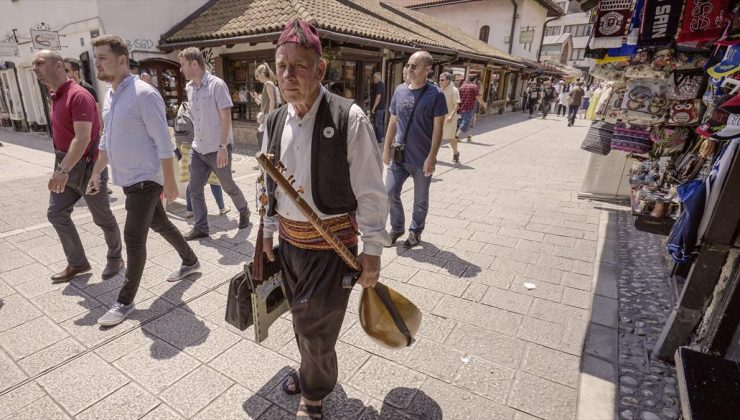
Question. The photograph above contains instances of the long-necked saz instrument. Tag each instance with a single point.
(387, 317)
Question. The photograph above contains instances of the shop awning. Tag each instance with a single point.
(362, 22)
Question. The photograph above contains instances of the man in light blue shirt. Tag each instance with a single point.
(210, 108)
(137, 144)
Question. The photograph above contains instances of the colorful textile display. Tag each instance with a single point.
(659, 22)
(631, 138)
(703, 21)
(611, 23)
(598, 138)
(645, 101)
(682, 113)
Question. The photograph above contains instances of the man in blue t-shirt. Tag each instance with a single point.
(377, 105)
(418, 110)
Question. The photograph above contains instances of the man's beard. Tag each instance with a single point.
(104, 77)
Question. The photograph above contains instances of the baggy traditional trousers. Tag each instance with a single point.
(313, 281)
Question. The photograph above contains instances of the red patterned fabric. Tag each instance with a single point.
(703, 21)
(468, 93)
(300, 32)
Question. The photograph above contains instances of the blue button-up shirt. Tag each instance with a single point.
(206, 103)
(136, 135)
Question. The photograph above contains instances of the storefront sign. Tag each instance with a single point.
(45, 40)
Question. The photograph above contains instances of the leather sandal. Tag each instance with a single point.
(313, 412)
(296, 384)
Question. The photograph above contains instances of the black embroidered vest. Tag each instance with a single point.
(330, 181)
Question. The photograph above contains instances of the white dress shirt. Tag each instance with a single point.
(365, 170)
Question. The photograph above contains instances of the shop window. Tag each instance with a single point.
(578, 30)
(168, 80)
(485, 31)
(239, 77)
(341, 78)
(577, 54)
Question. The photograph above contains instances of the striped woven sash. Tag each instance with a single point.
(303, 235)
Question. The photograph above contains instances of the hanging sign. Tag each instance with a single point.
(45, 40)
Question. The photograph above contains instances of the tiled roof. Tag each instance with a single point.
(552, 8)
(362, 18)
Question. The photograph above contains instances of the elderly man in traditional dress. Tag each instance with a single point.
(327, 143)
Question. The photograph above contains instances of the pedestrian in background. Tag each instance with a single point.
(548, 95)
(418, 111)
(469, 95)
(452, 99)
(377, 109)
(268, 100)
(76, 128)
(576, 97)
(73, 67)
(563, 99)
(587, 92)
(213, 142)
(137, 144)
(533, 97)
(184, 140)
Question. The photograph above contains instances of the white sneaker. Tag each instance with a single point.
(116, 314)
(224, 210)
(188, 214)
(184, 271)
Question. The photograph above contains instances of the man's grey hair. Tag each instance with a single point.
(377, 74)
(446, 75)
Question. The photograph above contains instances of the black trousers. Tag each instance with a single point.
(572, 112)
(144, 210)
(313, 281)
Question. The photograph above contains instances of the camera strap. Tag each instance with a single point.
(411, 116)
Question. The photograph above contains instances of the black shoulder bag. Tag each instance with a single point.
(398, 149)
(79, 175)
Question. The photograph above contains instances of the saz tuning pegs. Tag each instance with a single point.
(280, 166)
(300, 190)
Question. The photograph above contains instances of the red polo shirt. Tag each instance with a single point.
(73, 102)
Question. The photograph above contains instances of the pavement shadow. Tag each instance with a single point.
(398, 403)
(430, 254)
(160, 320)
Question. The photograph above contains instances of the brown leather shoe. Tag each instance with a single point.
(111, 269)
(68, 273)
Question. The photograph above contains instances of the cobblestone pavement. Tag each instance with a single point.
(488, 348)
(647, 387)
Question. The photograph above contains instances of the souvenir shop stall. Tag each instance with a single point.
(669, 74)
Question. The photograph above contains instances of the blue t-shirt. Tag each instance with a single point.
(431, 105)
(378, 89)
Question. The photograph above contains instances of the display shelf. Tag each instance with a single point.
(646, 223)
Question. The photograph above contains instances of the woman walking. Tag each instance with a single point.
(268, 100)
(452, 96)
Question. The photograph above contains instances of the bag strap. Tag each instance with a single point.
(385, 297)
(411, 116)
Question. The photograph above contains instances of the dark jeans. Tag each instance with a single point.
(313, 281)
(201, 166)
(378, 124)
(562, 109)
(545, 108)
(395, 178)
(532, 106)
(144, 210)
(217, 192)
(572, 112)
(60, 216)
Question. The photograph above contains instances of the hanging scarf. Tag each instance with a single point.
(703, 21)
(660, 22)
(612, 23)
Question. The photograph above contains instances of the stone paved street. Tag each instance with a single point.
(488, 348)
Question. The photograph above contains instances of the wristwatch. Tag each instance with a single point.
(222, 146)
(63, 171)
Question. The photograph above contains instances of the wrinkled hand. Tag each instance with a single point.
(93, 187)
(267, 248)
(170, 191)
(370, 270)
(386, 155)
(429, 166)
(222, 158)
(57, 182)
